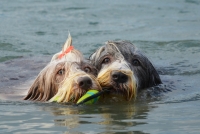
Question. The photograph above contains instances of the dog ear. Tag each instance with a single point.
(66, 46)
(42, 89)
(154, 77)
(33, 93)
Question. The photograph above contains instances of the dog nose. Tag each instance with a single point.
(84, 83)
(119, 77)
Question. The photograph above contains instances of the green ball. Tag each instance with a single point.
(88, 94)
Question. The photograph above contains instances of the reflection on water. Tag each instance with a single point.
(166, 31)
(141, 117)
(107, 118)
(55, 117)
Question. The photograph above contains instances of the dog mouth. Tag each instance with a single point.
(73, 96)
(75, 87)
(116, 89)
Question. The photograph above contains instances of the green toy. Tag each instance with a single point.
(90, 97)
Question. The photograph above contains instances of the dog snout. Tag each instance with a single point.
(119, 77)
(84, 83)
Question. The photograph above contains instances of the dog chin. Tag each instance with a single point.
(114, 95)
(125, 93)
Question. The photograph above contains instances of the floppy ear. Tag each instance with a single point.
(33, 93)
(42, 89)
(66, 46)
(154, 78)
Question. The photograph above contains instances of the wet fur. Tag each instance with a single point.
(124, 56)
(61, 72)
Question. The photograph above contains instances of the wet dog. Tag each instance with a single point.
(68, 74)
(123, 69)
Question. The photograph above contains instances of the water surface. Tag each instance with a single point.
(168, 32)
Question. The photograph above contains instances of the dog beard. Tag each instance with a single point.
(127, 89)
(70, 91)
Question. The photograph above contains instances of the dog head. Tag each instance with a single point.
(67, 74)
(79, 78)
(123, 69)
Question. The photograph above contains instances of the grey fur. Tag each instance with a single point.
(145, 73)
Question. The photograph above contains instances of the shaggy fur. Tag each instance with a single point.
(67, 74)
(123, 69)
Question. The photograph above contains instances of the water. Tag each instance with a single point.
(168, 32)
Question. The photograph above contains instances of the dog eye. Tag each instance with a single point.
(135, 62)
(106, 61)
(87, 69)
(61, 72)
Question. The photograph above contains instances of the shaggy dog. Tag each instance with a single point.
(67, 75)
(123, 69)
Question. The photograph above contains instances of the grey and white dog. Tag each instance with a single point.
(123, 69)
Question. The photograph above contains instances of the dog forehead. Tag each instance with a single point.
(107, 49)
(126, 47)
(118, 49)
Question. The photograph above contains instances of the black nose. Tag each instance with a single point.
(84, 83)
(119, 77)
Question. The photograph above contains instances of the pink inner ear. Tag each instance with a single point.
(65, 52)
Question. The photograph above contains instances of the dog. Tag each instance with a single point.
(123, 69)
(67, 74)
